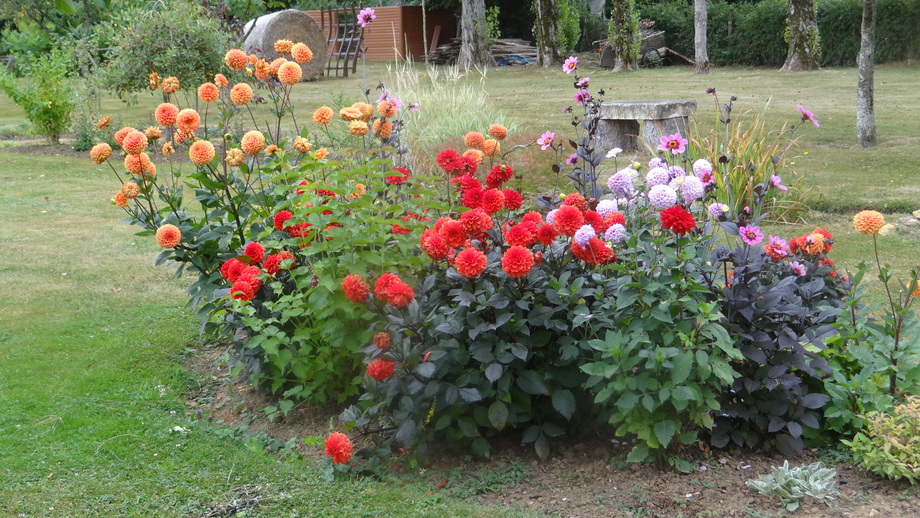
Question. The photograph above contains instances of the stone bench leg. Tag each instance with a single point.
(653, 129)
(617, 133)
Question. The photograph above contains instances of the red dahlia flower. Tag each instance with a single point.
(255, 252)
(452, 233)
(522, 234)
(493, 200)
(432, 244)
(470, 262)
(517, 261)
(568, 220)
(397, 179)
(356, 288)
(381, 340)
(576, 200)
(596, 252)
(381, 369)
(338, 446)
(677, 220)
(513, 199)
(475, 222)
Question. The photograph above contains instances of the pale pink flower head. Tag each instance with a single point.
(572, 159)
(797, 268)
(808, 116)
(750, 235)
(777, 183)
(673, 143)
(366, 16)
(583, 82)
(570, 65)
(546, 140)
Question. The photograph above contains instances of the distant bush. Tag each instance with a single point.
(44, 94)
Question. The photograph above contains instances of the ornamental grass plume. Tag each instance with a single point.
(253, 142)
(236, 59)
(241, 94)
(381, 369)
(165, 114)
(100, 152)
(301, 53)
(168, 236)
(338, 446)
(470, 262)
(868, 222)
(201, 152)
(290, 73)
(208, 92)
(323, 115)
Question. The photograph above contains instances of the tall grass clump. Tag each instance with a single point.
(450, 103)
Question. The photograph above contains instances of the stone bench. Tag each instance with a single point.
(619, 122)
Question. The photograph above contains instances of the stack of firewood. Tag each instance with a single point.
(509, 49)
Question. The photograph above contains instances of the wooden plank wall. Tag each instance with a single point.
(406, 23)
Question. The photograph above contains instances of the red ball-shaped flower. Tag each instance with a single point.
(255, 252)
(493, 200)
(432, 244)
(568, 220)
(338, 446)
(677, 220)
(470, 262)
(381, 340)
(380, 369)
(517, 261)
(356, 288)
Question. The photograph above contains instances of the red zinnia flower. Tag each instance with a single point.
(517, 261)
(513, 199)
(255, 252)
(356, 288)
(493, 200)
(568, 220)
(381, 340)
(432, 244)
(677, 220)
(381, 369)
(470, 262)
(338, 446)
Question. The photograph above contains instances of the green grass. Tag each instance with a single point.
(91, 340)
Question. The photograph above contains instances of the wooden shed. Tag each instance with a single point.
(396, 33)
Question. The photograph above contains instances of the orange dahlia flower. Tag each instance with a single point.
(349, 114)
(235, 157)
(490, 147)
(868, 221)
(208, 92)
(100, 152)
(474, 139)
(165, 114)
(221, 80)
(201, 152)
(188, 120)
(120, 200)
(134, 142)
(498, 132)
(154, 80)
(301, 53)
(241, 93)
(322, 115)
(367, 111)
(338, 446)
(104, 122)
(170, 85)
(153, 133)
(357, 128)
(168, 149)
(253, 142)
(236, 59)
(383, 128)
(275, 65)
(169, 236)
(290, 73)
(321, 153)
(283, 46)
(303, 145)
(120, 134)
(130, 190)
(475, 154)
(136, 164)
(386, 109)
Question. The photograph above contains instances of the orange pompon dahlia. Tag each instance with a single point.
(120, 200)
(154, 80)
(302, 145)
(275, 65)
(576, 200)
(120, 134)
(490, 147)
(188, 120)
(916, 292)
(130, 190)
(221, 80)
(498, 132)
(168, 149)
(100, 152)
(338, 446)
(283, 46)
(150, 169)
(475, 154)
(138, 164)
(381, 340)
(290, 73)
(301, 53)
(170, 85)
(868, 222)
(470, 262)
(104, 122)
(355, 287)
(322, 115)
(253, 142)
(241, 93)
(166, 114)
(386, 109)
(235, 157)
(517, 261)
(814, 244)
(236, 59)
(168, 236)
(134, 142)
(321, 153)
(357, 128)
(208, 92)
(271, 149)
(367, 111)
(153, 133)
(263, 69)
(474, 139)
(349, 114)
(201, 152)
(383, 128)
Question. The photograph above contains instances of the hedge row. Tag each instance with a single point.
(752, 33)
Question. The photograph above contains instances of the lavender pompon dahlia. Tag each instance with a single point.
(701, 165)
(584, 234)
(621, 183)
(717, 210)
(657, 162)
(616, 233)
(657, 176)
(662, 196)
(692, 189)
(606, 206)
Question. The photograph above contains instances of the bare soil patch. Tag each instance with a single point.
(586, 477)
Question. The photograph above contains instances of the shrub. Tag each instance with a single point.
(45, 94)
(193, 52)
(569, 26)
(795, 485)
(890, 445)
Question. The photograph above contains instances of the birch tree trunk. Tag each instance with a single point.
(865, 86)
(701, 49)
(473, 49)
(547, 29)
(803, 37)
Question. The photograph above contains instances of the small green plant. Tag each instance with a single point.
(890, 445)
(494, 31)
(44, 94)
(794, 485)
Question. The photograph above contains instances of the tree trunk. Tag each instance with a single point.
(624, 35)
(803, 37)
(865, 86)
(700, 21)
(546, 29)
(473, 49)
